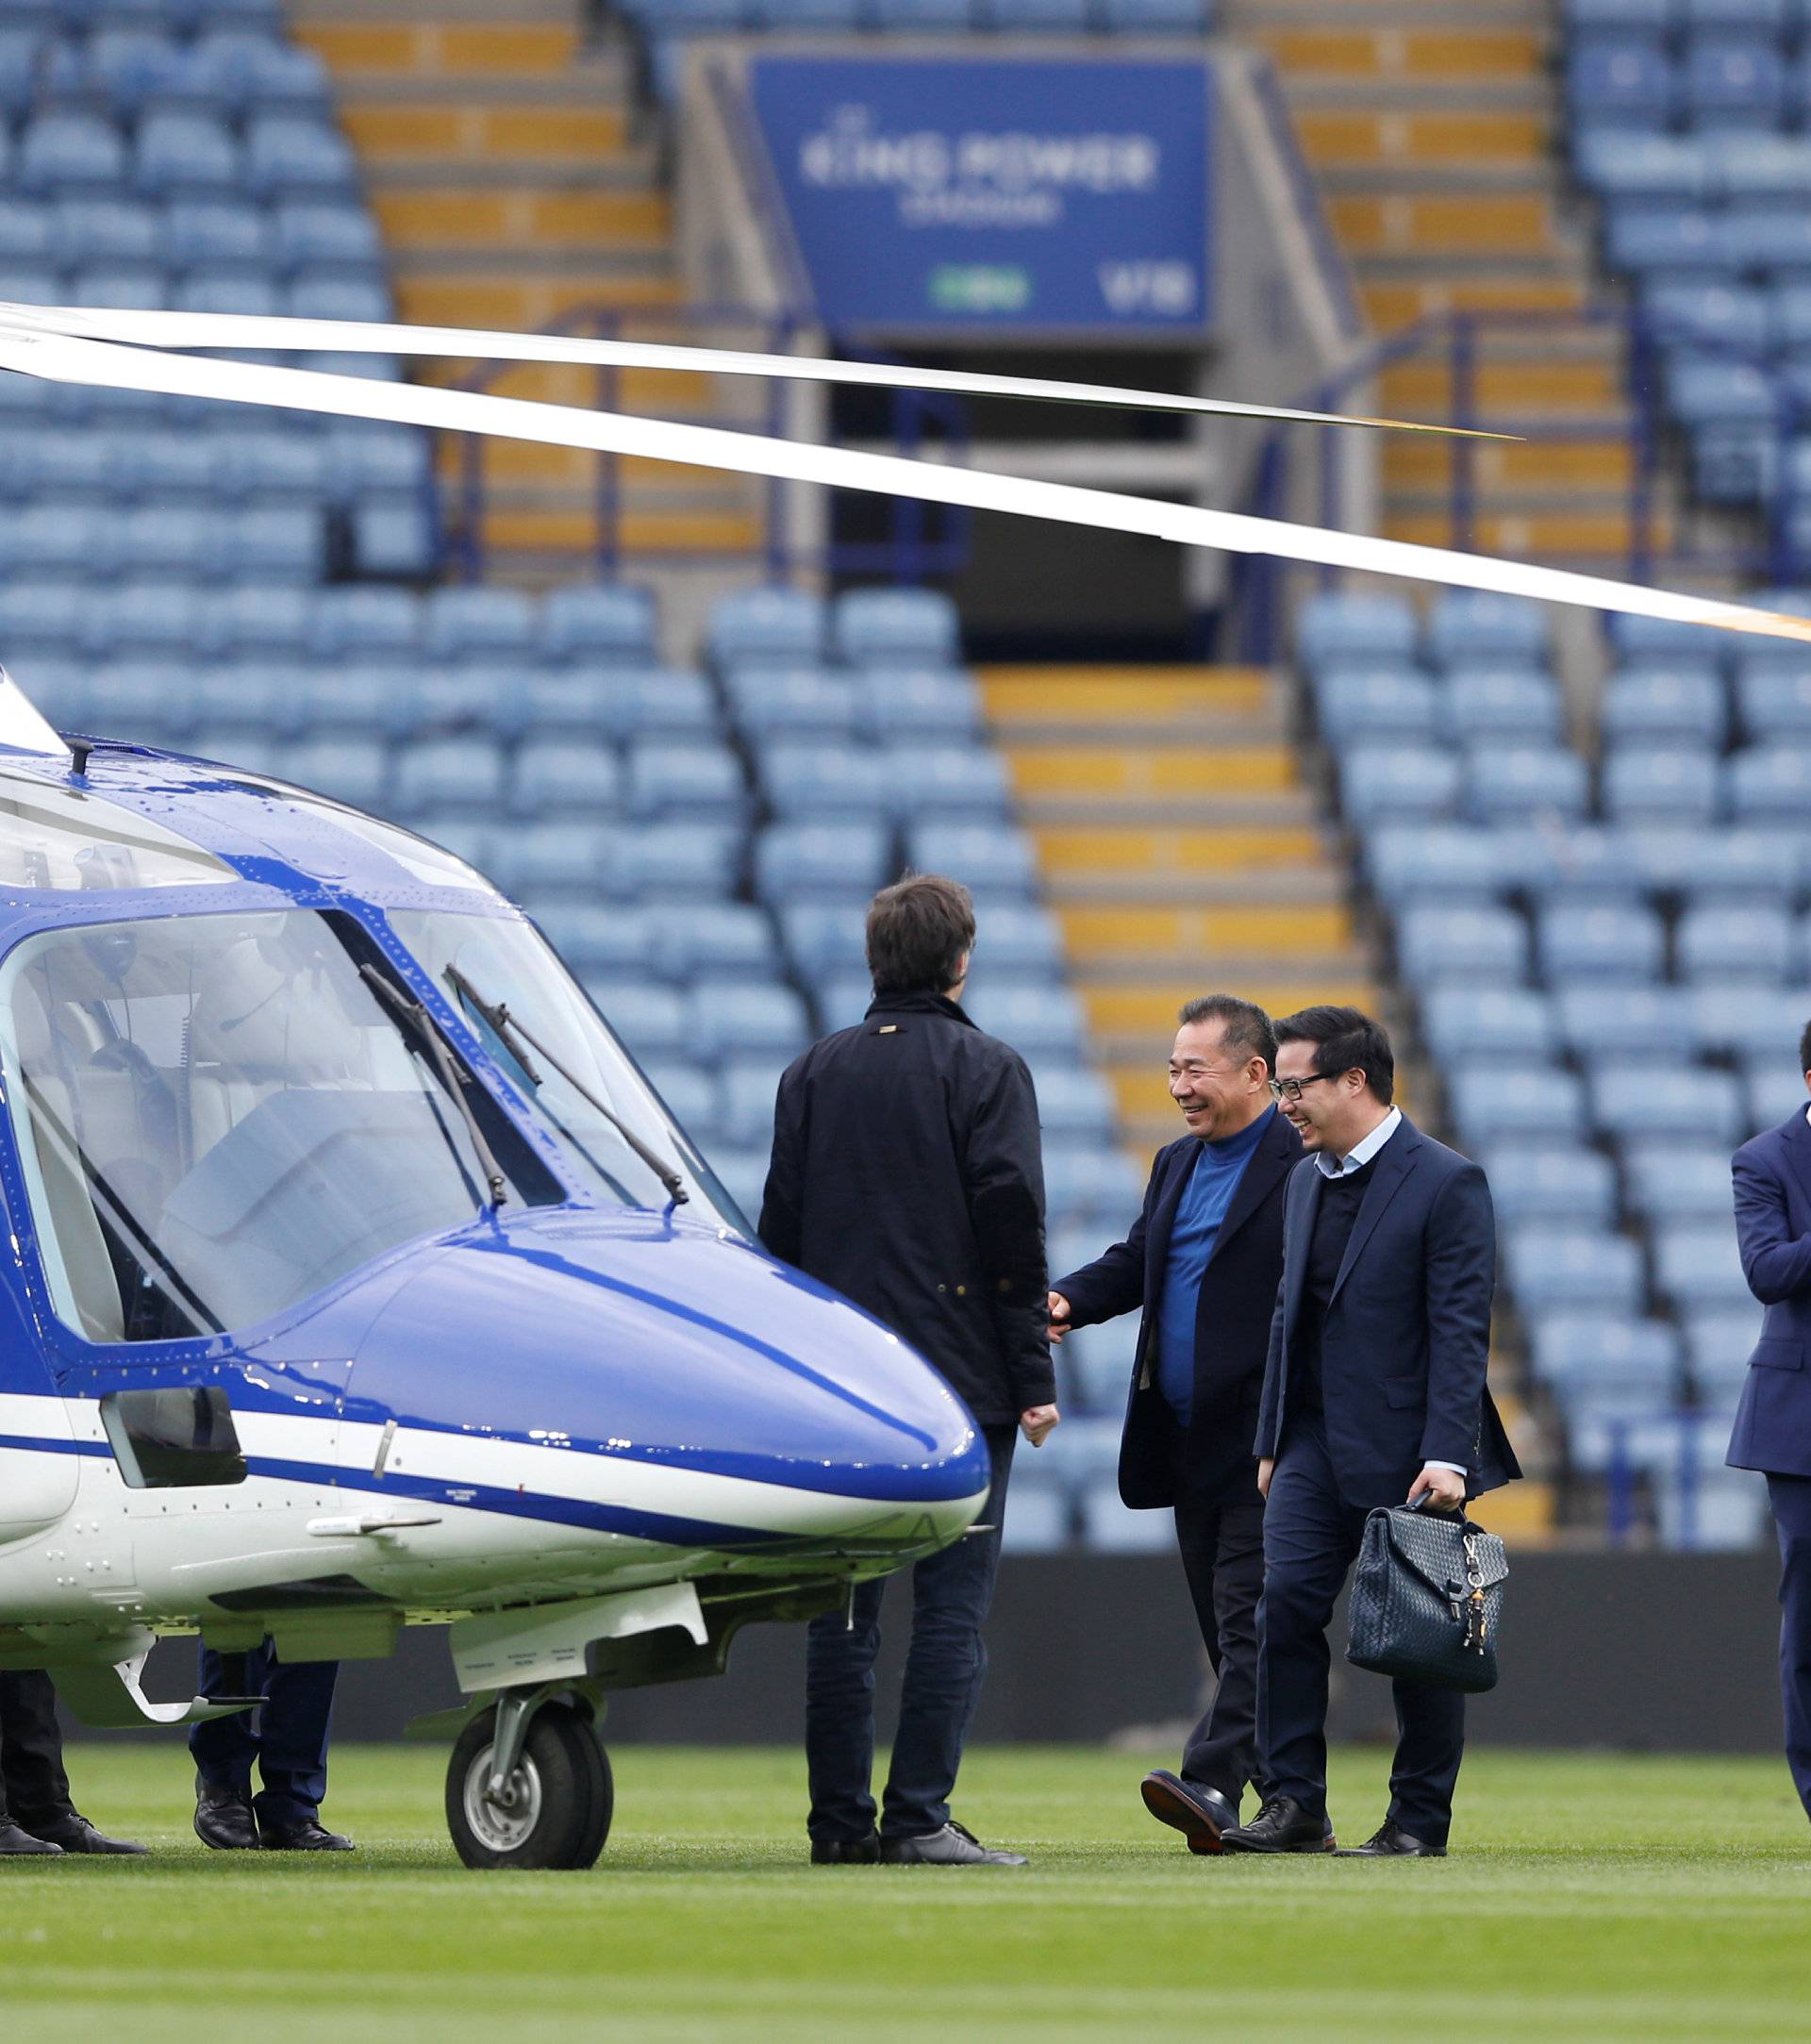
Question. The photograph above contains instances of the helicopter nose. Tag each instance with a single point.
(650, 1378)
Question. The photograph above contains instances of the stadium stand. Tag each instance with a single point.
(1610, 969)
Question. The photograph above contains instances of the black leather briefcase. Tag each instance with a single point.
(1427, 1598)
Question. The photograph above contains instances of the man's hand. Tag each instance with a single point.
(1036, 1422)
(1059, 1318)
(1265, 1470)
(1444, 1490)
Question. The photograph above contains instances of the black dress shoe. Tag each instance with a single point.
(1390, 1841)
(846, 1852)
(224, 1816)
(13, 1842)
(73, 1832)
(1202, 1815)
(1281, 1825)
(307, 1835)
(954, 1846)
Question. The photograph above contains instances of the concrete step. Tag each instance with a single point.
(302, 14)
(560, 537)
(525, 305)
(1391, 304)
(1161, 863)
(1335, 139)
(468, 52)
(1470, 223)
(1601, 536)
(1532, 390)
(1437, 55)
(1531, 469)
(448, 132)
(473, 214)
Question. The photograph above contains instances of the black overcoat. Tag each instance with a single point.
(908, 1174)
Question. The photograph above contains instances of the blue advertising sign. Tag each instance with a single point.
(995, 193)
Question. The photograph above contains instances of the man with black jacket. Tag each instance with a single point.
(906, 1173)
(1203, 1260)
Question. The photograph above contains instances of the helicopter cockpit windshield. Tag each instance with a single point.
(220, 1114)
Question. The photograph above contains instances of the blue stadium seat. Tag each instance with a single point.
(1697, 1267)
(1626, 83)
(443, 700)
(315, 296)
(215, 230)
(1346, 629)
(42, 616)
(1574, 1351)
(67, 154)
(1155, 17)
(823, 937)
(1469, 628)
(1492, 1102)
(1655, 240)
(249, 695)
(1561, 1185)
(749, 1086)
(1672, 1181)
(1558, 1268)
(1625, 165)
(1769, 18)
(1774, 703)
(1053, 17)
(1485, 1020)
(932, 17)
(1084, 1182)
(1703, 391)
(1489, 707)
(693, 1096)
(363, 623)
(1770, 785)
(1508, 783)
(746, 1018)
(147, 617)
(1022, 938)
(107, 230)
(841, 999)
(1074, 1104)
(1773, 1088)
(825, 779)
(398, 540)
(657, 701)
(325, 239)
(651, 1020)
(680, 861)
(275, 467)
(742, 1174)
(1638, 1101)
(1660, 784)
(289, 157)
(462, 773)
(1765, 236)
(1458, 942)
(768, 627)
(792, 701)
(185, 154)
(1437, 862)
(1634, 1021)
(1398, 783)
(1772, 168)
(61, 539)
(146, 699)
(900, 704)
(136, 287)
(599, 939)
(1597, 941)
(896, 628)
(558, 777)
(28, 233)
(1714, 315)
(987, 857)
(717, 937)
(606, 622)
(368, 460)
(1729, 82)
(20, 48)
(1585, 866)
(671, 781)
(272, 542)
(350, 770)
(1748, 1021)
(1681, 704)
(1720, 1341)
(257, 74)
(964, 782)
(476, 621)
(1038, 1021)
(1732, 942)
(837, 861)
(544, 863)
(1371, 703)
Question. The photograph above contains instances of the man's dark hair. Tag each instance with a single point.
(918, 930)
(1244, 1027)
(1805, 1049)
(1343, 1037)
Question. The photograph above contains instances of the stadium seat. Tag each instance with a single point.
(1074, 1104)
(1398, 784)
(1636, 1100)
(1496, 1104)
(1697, 1267)
(1441, 862)
(1636, 1022)
(901, 704)
(653, 702)
(671, 781)
(838, 861)
(736, 1016)
(601, 938)
(477, 621)
(714, 938)
(1437, 944)
(1578, 1350)
(653, 1022)
(1461, 1021)
(965, 782)
(610, 624)
(768, 627)
(1555, 1183)
(1747, 1020)
(558, 777)
(791, 703)
(1038, 1021)
(1505, 783)
(1346, 628)
(1662, 705)
(697, 860)
(896, 628)
(823, 937)
(1771, 784)
(1730, 942)
(1670, 1181)
(1501, 706)
(1469, 628)
(1370, 704)
(993, 858)
(289, 157)
(1599, 942)
(824, 780)
(1554, 1269)
(1651, 783)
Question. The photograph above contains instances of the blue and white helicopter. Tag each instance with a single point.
(355, 1277)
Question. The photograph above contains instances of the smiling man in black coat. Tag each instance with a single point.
(907, 1173)
(1203, 1261)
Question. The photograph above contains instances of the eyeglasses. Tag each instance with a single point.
(1291, 1089)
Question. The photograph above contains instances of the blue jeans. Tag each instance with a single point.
(944, 1665)
(289, 1745)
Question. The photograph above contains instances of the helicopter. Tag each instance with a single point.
(356, 1276)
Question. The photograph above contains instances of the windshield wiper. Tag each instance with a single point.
(515, 1034)
(416, 1014)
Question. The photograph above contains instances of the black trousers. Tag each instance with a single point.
(33, 1787)
(1791, 1497)
(1220, 1533)
(1311, 1539)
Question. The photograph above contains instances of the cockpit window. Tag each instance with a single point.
(505, 962)
(66, 841)
(220, 1114)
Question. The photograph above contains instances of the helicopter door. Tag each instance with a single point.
(39, 1465)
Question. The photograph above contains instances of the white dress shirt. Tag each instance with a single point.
(1356, 1161)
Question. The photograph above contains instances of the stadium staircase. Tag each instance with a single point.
(1431, 142)
(504, 161)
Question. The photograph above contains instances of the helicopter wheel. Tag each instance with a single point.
(556, 1806)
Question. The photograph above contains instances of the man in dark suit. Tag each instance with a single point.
(289, 1747)
(907, 1173)
(1374, 1394)
(36, 1814)
(1201, 1261)
(1773, 1432)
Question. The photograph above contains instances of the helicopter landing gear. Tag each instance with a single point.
(529, 1785)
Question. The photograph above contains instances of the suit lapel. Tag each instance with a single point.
(1163, 1220)
(1268, 1163)
(1299, 1236)
(1395, 1160)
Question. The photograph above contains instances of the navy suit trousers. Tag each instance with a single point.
(1311, 1539)
(952, 1591)
(290, 1744)
(1791, 1497)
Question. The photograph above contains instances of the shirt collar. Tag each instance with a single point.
(1365, 1151)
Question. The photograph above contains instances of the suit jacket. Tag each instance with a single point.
(1406, 1335)
(1232, 1317)
(1772, 1176)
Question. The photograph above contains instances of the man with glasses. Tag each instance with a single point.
(1202, 1262)
(1373, 1394)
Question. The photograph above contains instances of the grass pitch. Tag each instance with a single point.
(1588, 1896)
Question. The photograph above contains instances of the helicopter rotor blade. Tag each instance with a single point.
(358, 336)
(65, 360)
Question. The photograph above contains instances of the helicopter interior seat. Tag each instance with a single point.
(80, 1245)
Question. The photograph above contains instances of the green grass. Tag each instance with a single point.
(1588, 1896)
